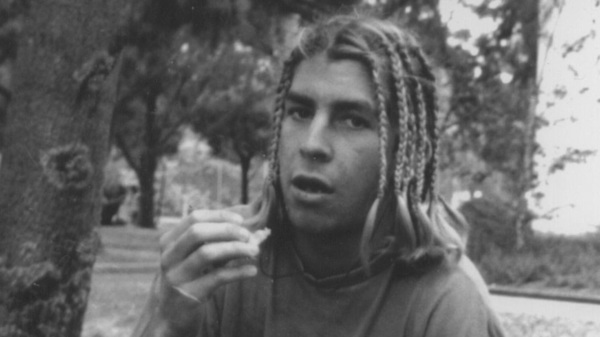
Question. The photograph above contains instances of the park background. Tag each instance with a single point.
(159, 107)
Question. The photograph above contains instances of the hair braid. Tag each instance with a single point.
(420, 130)
(421, 138)
(282, 89)
(433, 130)
(403, 111)
(411, 122)
(383, 127)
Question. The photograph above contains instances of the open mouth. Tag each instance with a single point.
(311, 185)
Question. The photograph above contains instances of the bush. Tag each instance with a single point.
(490, 227)
(549, 260)
(513, 268)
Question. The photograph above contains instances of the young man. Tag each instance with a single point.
(360, 244)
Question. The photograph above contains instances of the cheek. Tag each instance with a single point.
(365, 168)
(286, 149)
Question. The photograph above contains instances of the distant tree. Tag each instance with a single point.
(149, 115)
(495, 104)
(61, 85)
(233, 114)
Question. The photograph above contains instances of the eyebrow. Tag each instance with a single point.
(299, 98)
(359, 104)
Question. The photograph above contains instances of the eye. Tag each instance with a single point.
(355, 122)
(299, 113)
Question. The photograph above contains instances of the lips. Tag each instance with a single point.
(311, 184)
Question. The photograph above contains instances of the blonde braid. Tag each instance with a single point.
(431, 168)
(409, 169)
(409, 153)
(383, 127)
(421, 138)
(433, 130)
(400, 87)
(369, 227)
(282, 90)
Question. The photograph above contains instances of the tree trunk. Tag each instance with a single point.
(245, 168)
(146, 201)
(530, 22)
(56, 143)
(148, 161)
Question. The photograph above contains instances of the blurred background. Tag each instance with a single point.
(181, 92)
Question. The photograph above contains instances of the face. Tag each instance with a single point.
(329, 151)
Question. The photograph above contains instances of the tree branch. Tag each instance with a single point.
(179, 121)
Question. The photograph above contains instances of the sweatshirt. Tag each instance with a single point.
(393, 300)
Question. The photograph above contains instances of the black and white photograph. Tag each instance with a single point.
(296, 168)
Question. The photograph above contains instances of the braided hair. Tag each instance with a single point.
(405, 97)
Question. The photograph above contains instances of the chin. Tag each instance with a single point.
(309, 224)
(320, 227)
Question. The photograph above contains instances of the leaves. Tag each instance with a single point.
(234, 112)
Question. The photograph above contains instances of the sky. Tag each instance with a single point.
(571, 196)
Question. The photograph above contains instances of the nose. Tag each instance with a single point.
(315, 146)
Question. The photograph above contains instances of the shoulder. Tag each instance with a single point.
(456, 301)
(452, 279)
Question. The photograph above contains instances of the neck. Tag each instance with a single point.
(329, 255)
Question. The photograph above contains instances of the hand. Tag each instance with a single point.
(195, 255)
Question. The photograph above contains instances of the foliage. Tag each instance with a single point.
(550, 261)
(233, 114)
(570, 156)
(195, 179)
(490, 227)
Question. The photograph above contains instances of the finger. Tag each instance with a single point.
(259, 236)
(199, 234)
(207, 257)
(201, 288)
(199, 216)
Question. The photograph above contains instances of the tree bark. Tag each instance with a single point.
(530, 21)
(56, 143)
(146, 200)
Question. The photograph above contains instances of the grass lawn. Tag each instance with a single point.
(117, 298)
(115, 303)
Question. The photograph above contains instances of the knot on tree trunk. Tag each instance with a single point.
(68, 167)
(92, 75)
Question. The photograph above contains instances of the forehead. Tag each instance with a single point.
(325, 80)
